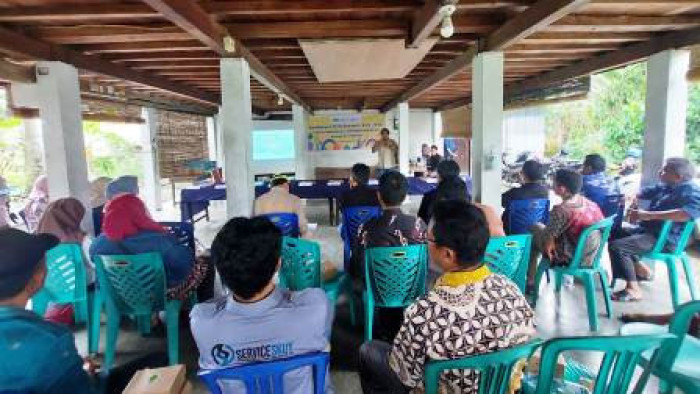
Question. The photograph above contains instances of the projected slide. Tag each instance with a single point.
(273, 145)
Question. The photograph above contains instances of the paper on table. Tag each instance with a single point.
(312, 226)
(305, 184)
(373, 182)
(431, 180)
(335, 183)
(219, 186)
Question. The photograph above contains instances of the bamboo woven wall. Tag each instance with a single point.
(181, 138)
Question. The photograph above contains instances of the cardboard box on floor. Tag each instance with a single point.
(167, 380)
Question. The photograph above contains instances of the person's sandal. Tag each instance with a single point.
(625, 296)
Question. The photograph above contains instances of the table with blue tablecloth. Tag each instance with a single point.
(195, 199)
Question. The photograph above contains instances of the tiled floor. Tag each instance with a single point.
(561, 315)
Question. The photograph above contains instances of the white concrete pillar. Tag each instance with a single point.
(487, 126)
(58, 99)
(666, 109)
(34, 164)
(403, 113)
(150, 160)
(303, 169)
(219, 141)
(211, 137)
(236, 127)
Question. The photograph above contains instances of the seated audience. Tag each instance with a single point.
(5, 220)
(37, 356)
(597, 185)
(98, 199)
(467, 292)
(280, 200)
(531, 187)
(258, 321)
(392, 228)
(434, 159)
(37, 201)
(129, 229)
(675, 198)
(359, 195)
(62, 219)
(558, 239)
(451, 186)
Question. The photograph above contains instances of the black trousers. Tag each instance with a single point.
(625, 252)
(375, 374)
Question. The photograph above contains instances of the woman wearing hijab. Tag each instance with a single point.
(127, 228)
(62, 218)
(98, 199)
(38, 200)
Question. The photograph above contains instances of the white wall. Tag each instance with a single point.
(524, 129)
(420, 127)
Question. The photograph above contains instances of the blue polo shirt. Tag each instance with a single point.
(37, 356)
(285, 324)
(598, 186)
(662, 197)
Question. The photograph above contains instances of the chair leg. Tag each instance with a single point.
(94, 323)
(558, 279)
(113, 319)
(591, 301)
(369, 317)
(80, 313)
(690, 277)
(351, 300)
(542, 268)
(606, 292)
(673, 280)
(172, 317)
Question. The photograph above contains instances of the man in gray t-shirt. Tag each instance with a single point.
(258, 321)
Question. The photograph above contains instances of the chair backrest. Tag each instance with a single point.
(510, 256)
(134, 284)
(395, 276)
(662, 240)
(604, 227)
(621, 354)
(522, 214)
(354, 217)
(679, 326)
(613, 204)
(495, 369)
(287, 222)
(183, 232)
(301, 264)
(269, 375)
(66, 278)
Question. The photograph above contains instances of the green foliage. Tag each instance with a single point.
(612, 119)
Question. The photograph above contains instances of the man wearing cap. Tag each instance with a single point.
(280, 200)
(36, 356)
(127, 184)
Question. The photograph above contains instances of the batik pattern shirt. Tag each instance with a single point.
(466, 314)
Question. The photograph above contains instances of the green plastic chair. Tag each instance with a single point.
(134, 285)
(670, 258)
(394, 277)
(495, 369)
(616, 369)
(679, 362)
(301, 269)
(586, 274)
(66, 283)
(510, 256)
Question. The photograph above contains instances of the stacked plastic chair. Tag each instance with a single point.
(353, 218)
(287, 222)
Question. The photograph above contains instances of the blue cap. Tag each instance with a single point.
(123, 184)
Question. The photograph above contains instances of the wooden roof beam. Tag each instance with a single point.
(426, 20)
(628, 54)
(20, 45)
(541, 14)
(192, 18)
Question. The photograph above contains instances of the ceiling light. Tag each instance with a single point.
(447, 29)
(280, 99)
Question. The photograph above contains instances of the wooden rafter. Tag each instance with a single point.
(23, 46)
(536, 17)
(194, 20)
